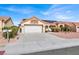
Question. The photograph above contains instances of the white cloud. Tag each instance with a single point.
(52, 10)
(63, 17)
(18, 10)
(68, 11)
(59, 13)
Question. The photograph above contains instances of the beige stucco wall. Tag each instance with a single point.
(29, 22)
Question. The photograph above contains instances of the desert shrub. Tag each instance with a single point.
(66, 28)
(61, 27)
(54, 28)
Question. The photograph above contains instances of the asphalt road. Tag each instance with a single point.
(64, 51)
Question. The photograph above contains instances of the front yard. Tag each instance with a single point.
(4, 42)
(67, 35)
(11, 35)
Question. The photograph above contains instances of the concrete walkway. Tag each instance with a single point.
(36, 42)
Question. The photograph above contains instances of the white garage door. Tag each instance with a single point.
(32, 29)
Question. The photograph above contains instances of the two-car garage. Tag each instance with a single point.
(32, 29)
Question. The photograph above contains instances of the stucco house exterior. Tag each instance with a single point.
(5, 21)
(34, 24)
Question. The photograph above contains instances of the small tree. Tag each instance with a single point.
(11, 34)
(5, 33)
(14, 29)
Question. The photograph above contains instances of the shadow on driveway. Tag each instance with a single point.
(64, 51)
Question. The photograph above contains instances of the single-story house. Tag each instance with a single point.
(5, 21)
(34, 24)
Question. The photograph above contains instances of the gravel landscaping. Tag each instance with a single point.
(66, 35)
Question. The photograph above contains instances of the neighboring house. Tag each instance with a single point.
(5, 21)
(34, 24)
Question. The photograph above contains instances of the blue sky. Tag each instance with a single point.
(59, 12)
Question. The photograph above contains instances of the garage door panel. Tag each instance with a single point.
(32, 29)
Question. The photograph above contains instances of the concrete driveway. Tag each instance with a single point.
(36, 42)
